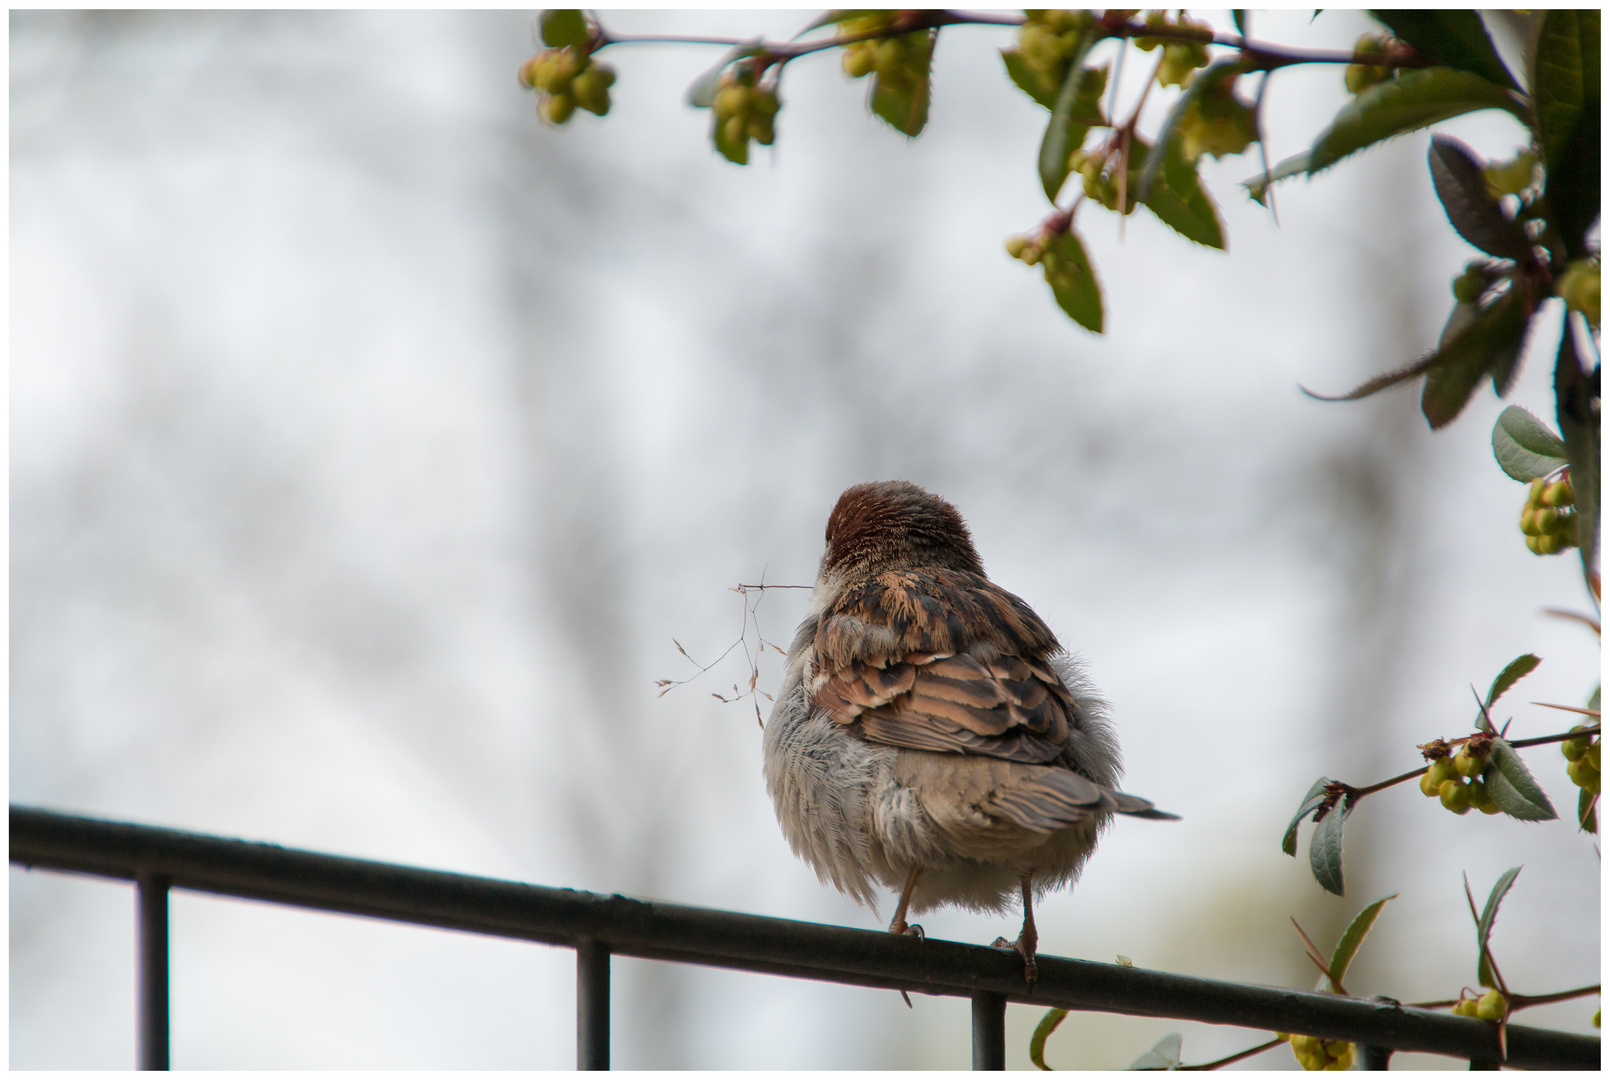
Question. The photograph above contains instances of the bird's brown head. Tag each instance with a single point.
(893, 524)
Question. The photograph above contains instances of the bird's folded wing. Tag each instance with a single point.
(942, 660)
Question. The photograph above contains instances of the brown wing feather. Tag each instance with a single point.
(893, 664)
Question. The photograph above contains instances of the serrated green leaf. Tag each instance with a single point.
(1194, 216)
(1063, 127)
(1575, 410)
(1177, 197)
(903, 103)
(1512, 787)
(1586, 818)
(1489, 344)
(1566, 86)
(563, 26)
(702, 91)
(1258, 186)
(1325, 848)
(1352, 938)
(1455, 39)
(1311, 801)
(1167, 137)
(1514, 671)
(1524, 446)
(1042, 1031)
(1475, 215)
(1073, 280)
(1484, 926)
(1027, 79)
(1165, 1055)
(1413, 100)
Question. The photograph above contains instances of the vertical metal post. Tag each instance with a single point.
(989, 1030)
(151, 900)
(592, 1005)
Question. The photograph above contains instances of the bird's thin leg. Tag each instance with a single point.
(899, 926)
(1027, 938)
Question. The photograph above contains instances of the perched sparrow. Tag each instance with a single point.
(930, 733)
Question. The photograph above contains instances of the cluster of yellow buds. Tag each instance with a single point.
(900, 61)
(743, 111)
(1582, 755)
(1492, 1005)
(1360, 77)
(1456, 778)
(1048, 41)
(1322, 1055)
(567, 79)
(1548, 520)
(1180, 58)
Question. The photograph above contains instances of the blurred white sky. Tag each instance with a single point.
(370, 443)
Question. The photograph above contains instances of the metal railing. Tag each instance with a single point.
(598, 926)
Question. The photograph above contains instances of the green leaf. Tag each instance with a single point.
(1516, 670)
(1484, 926)
(1512, 787)
(1064, 133)
(1167, 141)
(1559, 85)
(1566, 87)
(1489, 342)
(1524, 446)
(1325, 848)
(1073, 280)
(1027, 79)
(1413, 100)
(1239, 17)
(702, 91)
(1177, 197)
(1576, 404)
(1311, 801)
(1165, 1055)
(1455, 39)
(1352, 938)
(1586, 819)
(563, 26)
(903, 101)
(1042, 1031)
(1258, 186)
(1193, 216)
(1475, 214)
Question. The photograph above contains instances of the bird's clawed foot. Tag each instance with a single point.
(1028, 939)
(899, 925)
(1025, 949)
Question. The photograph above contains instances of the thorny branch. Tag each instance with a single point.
(1356, 793)
(1114, 24)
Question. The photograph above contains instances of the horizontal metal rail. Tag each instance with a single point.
(597, 926)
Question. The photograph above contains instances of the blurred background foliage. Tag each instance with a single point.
(370, 442)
